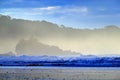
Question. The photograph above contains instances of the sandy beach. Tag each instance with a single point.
(58, 73)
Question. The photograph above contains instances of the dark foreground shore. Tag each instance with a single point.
(59, 73)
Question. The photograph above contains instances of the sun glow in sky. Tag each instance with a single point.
(71, 13)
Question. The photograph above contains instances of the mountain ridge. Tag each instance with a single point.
(31, 46)
(89, 41)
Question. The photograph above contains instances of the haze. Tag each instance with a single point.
(100, 41)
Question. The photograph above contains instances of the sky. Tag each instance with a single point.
(71, 13)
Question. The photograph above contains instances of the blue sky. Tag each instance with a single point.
(71, 13)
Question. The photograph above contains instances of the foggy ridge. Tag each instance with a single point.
(32, 46)
(91, 41)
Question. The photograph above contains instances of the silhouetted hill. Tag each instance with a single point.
(91, 41)
(18, 27)
(7, 54)
(33, 47)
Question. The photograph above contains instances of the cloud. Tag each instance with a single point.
(49, 8)
(62, 10)
(76, 9)
(84, 9)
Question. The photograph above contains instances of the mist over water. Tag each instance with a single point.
(87, 41)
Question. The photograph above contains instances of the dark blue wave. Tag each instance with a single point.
(80, 61)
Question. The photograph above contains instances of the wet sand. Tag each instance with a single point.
(59, 73)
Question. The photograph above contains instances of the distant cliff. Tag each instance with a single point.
(100, 41)
(33, 47)
(7, 54)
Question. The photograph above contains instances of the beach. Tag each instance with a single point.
(59, 73)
